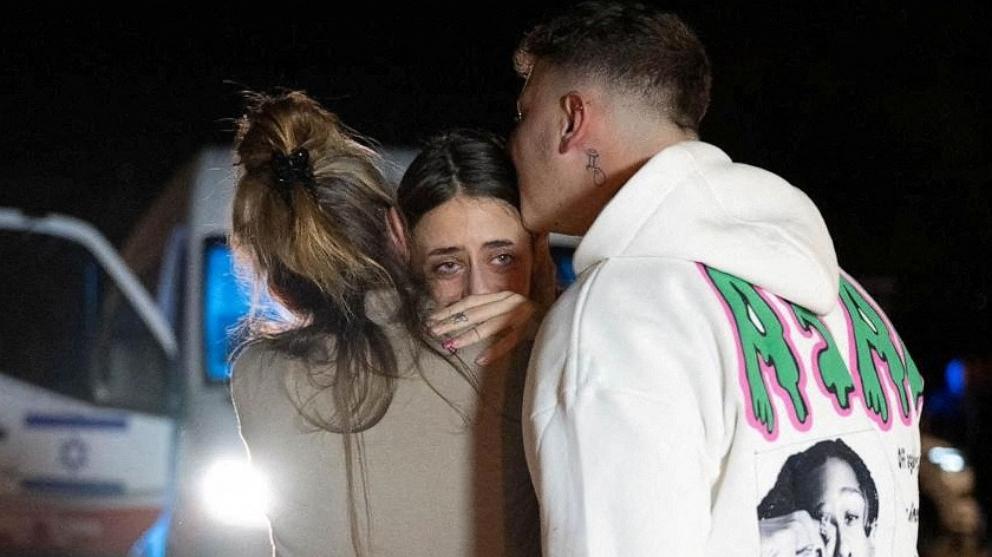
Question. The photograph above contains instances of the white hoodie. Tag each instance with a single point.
(710, 337)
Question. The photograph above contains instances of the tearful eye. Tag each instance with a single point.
(446, 268)
(503, 259)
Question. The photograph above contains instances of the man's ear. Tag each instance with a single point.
(397, 233)
(575, 123)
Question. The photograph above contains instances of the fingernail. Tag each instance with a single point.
(449, 345)
(482, 361)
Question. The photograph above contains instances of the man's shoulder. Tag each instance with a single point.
(668, 297)
(631, 325)
(650, 280)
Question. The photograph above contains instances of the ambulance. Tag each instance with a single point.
(88, 398)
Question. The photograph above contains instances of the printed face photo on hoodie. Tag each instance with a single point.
(840, 507)
(829, 484)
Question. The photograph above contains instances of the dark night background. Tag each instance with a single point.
(880, 114)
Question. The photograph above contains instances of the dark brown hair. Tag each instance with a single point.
(651, 54)
(457, 162)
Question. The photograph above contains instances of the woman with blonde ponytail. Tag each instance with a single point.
(371, 441)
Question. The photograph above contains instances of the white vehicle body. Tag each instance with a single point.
(87, 443)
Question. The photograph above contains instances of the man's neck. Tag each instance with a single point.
(633, 152)
(620, 155)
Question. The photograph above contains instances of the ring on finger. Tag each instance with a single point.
(459, 317)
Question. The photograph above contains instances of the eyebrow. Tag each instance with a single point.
(444, 251)
(498, 244)
(492, 244)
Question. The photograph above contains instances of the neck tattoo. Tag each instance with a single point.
(592, 165)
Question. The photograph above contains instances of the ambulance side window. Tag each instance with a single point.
(49, 300)
(130, 370)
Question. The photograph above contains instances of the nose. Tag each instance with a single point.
(480, 282)
(842, 549)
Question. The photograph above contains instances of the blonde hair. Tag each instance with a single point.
(307, 236)
(309, 224)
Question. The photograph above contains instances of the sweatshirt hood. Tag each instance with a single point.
(691, 202)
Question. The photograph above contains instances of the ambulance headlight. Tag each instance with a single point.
(235, 493)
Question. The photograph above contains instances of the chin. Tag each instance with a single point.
(533, 222)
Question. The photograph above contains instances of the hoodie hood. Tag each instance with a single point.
(691, 202)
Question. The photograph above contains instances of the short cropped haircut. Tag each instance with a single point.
(653, 55)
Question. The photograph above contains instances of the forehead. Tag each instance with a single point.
(468, 223)
(835, 475)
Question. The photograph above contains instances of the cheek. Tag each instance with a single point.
(445, 292)
(515, 280)
(855, 530)
(855, 541)
(523, 276)
(530, 181)
(526, 151)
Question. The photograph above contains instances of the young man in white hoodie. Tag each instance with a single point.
(713, 383)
